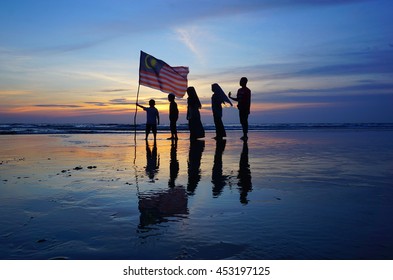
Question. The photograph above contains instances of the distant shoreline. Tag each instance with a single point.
(44, 128)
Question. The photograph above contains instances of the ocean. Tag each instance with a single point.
(45, 128)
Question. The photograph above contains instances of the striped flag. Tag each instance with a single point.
(157, 74)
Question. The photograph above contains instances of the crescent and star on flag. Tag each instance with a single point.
(150, 62)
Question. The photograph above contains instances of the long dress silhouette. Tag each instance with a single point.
(219, 98)
(193, 115)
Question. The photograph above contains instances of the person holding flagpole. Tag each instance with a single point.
(157, 74)
(152, 118)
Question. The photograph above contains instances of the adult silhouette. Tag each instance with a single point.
(193, 115)
(243, 98)
(218, 98)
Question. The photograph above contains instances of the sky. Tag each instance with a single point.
(308, 61)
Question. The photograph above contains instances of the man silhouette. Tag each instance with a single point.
(244, 102)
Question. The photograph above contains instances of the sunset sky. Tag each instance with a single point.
(307, 61)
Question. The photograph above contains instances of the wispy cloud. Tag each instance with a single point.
(58, 106)
(114, 90)
(336, 64)
(97, 75)
(96, 103)
(290, 105)
(189, 37)
(14, 92)
(121, 101)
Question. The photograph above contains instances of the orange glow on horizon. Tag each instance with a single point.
(285, 106)
(83, 109)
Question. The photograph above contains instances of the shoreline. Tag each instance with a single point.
(15, 129)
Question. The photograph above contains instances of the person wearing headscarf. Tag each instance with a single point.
(193, 115)
(218, 98)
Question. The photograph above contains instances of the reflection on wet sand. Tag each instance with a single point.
(287, 196)
(160, 205)
(157, 207)
(218, 179)
(244, 175)
(173, 165)
(194, 165)
(152, 161)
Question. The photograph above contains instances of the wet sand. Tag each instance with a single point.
(282, 195)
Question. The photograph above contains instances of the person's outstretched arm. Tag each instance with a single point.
(143, 107)
(230, 96)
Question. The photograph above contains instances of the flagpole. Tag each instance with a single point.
(136, 110)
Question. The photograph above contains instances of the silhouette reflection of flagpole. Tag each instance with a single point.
(136, 169)
(244, 175)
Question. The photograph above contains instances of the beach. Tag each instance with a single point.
(302, 194)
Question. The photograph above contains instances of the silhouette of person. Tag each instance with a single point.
(173, 116)
(244, 175)
(152, 118)
(218, 98)
(193, 115)
(173, 165)
(152, 161)
(194, 164)
(243, 98)
(218, 180)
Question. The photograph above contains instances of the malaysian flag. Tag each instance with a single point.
(157, 74)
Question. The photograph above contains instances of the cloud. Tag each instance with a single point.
(14, 92)
(222, 8)
(114, 90)
(121, 101)
(379, 67)
(58, 106)
(189, 37)
(353, 89)
(261, 107)
(97, 76)
(337, 63)
(176, 14)
(70, 47)
(99, 104)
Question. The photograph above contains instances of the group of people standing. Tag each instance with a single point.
(197, 131)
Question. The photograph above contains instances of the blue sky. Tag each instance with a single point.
(306, 61)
